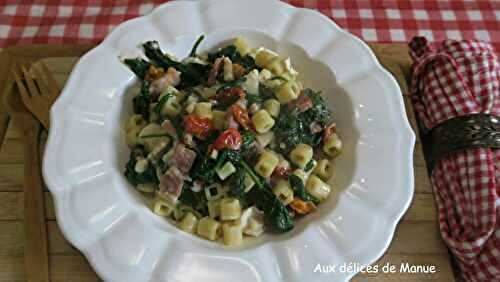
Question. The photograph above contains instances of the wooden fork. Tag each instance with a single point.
(43, 91)
(35, 233)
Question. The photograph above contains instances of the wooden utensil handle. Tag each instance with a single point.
(35, 233)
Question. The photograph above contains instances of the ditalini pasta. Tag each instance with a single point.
(228, 144)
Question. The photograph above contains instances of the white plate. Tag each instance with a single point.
(104, 217)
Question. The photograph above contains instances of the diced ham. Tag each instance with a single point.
(214, 72)
(171, 78)
(302, 103)
(329, 130)
(171, 183)
(169, 127)
(182, 158)
(315, 127)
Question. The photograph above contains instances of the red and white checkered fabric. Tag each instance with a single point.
(72, 21)
(460, 78)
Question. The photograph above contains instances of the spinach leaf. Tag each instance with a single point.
(247, 140)
(203, 169)
(141, 102)
(254, 99)
(195, 46)
(249, 150)
(265, 92)
(192, 74)
(138, 65)
(159, 106)
(309, 165)
(292, 127)
(232, 53)
(153, 52)
(319, 112)
(300, 190)
(276, 216)
(204, 166)
(134, 178)
(177, 122)
(197, 200)
(236, 184)
(231, 84)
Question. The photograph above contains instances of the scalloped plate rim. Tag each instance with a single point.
(52, 180)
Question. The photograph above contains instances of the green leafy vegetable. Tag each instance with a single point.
(265, 92)
(197, 200)
(195, 46)
(138, 65)
(204, 167)
(232, 53)
(276, 216)
(319, 112)
(141, 102)
(292, 127)
(192, 74)
(309, 165)
(177, 123)
(254, 99)
(161, 103)
(236, 184)
(148, 176)
(249, 150)
(300, 190)
(231, 84)
(247, 142)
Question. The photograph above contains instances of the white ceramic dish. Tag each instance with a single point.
(104, 217)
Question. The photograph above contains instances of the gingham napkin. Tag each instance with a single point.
(456, 79)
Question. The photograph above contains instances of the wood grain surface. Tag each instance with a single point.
(417, 240)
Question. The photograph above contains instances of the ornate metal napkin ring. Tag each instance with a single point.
(460, 133)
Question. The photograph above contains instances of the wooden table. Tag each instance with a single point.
(417, 240)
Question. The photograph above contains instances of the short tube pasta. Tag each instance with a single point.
(241, 45)
(203, 109)
(208, 228)
(264, 57)
(266, 164)
(333, 145)
(316, 187)
(272, 106)
(232, 234)
(230, 209)
(171, 108)
(324, 169)
(301, 155)
(262, 121)
(287, 92)
(214, 208)
(283, 191)
(189, 223)
(162, 207)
